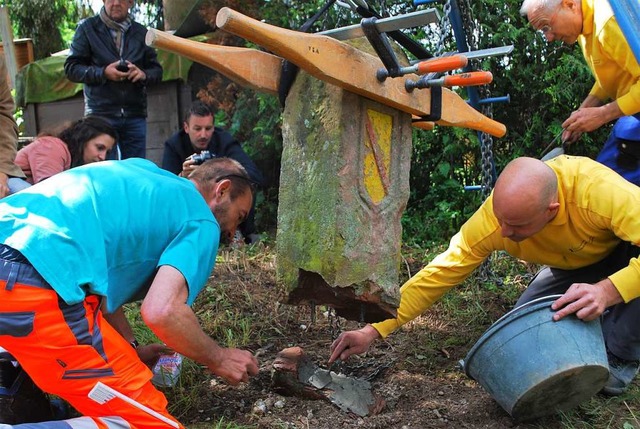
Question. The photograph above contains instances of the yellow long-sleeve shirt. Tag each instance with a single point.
(607, 52)
(598, 209)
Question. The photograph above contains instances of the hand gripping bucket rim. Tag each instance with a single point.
(533, 366)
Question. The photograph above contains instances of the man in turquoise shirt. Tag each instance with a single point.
(79, 245)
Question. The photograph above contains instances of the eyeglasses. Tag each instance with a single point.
(253, 185)
(547, 27)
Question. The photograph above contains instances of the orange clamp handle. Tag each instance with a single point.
(468, 79)
(442, 64)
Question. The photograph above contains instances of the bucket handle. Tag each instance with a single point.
(526, 304)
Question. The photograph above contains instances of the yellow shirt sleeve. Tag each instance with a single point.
(466, 251)
(614, 66)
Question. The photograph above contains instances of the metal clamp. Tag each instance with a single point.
(435, 111)
(380, 43)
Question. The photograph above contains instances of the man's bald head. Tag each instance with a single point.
(525, 197)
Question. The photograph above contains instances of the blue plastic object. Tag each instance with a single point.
(533, 366)
(627, 14)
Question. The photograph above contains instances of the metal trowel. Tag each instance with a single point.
(556, 151)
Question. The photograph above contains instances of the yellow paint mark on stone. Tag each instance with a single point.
(377, 158)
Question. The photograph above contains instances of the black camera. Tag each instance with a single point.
(199, 158)
(122, 66)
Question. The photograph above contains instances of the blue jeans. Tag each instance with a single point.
(132, 138)
(17, 184)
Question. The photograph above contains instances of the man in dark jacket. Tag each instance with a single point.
(109, 55)
(199, 136)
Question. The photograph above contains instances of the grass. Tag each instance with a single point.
(471, 308)
(239, 315)
(220, 424)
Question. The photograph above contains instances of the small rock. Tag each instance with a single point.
(440, 393)
(279, 403)
(260, 407)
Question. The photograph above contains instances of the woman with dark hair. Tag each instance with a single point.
(83, 142)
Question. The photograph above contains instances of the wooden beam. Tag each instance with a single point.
(343, 65)
(247, 67)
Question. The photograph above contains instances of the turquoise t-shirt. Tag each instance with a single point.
(106, 227)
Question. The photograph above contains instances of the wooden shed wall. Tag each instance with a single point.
(166, 103)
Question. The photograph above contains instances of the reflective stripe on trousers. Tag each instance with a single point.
(66, 349)
(77, 423)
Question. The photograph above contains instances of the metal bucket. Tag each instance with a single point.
(533, 366)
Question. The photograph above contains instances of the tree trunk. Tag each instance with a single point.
(175, 11)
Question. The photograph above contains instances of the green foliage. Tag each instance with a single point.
(44, 21)
(256, 122)
(52, 23)
(149, 13)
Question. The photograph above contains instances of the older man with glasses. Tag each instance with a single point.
(616, 92)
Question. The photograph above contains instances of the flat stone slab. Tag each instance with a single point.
(294, 374)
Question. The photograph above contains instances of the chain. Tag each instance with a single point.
(486, 141)
(486, 152)
(487, 165)
(312, 307)
(334, 323)
(445, 27)
(471, 31)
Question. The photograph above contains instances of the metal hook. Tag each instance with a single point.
(361, 3)
(346, 4)
(353, 4)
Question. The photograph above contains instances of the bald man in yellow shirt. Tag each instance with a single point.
(573, 215)
(615, 94)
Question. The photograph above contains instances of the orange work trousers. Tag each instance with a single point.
(66, 349)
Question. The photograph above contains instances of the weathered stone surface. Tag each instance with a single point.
(344, 184)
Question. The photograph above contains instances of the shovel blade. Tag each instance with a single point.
(552, 154)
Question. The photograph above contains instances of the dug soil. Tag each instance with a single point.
(416, 370)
